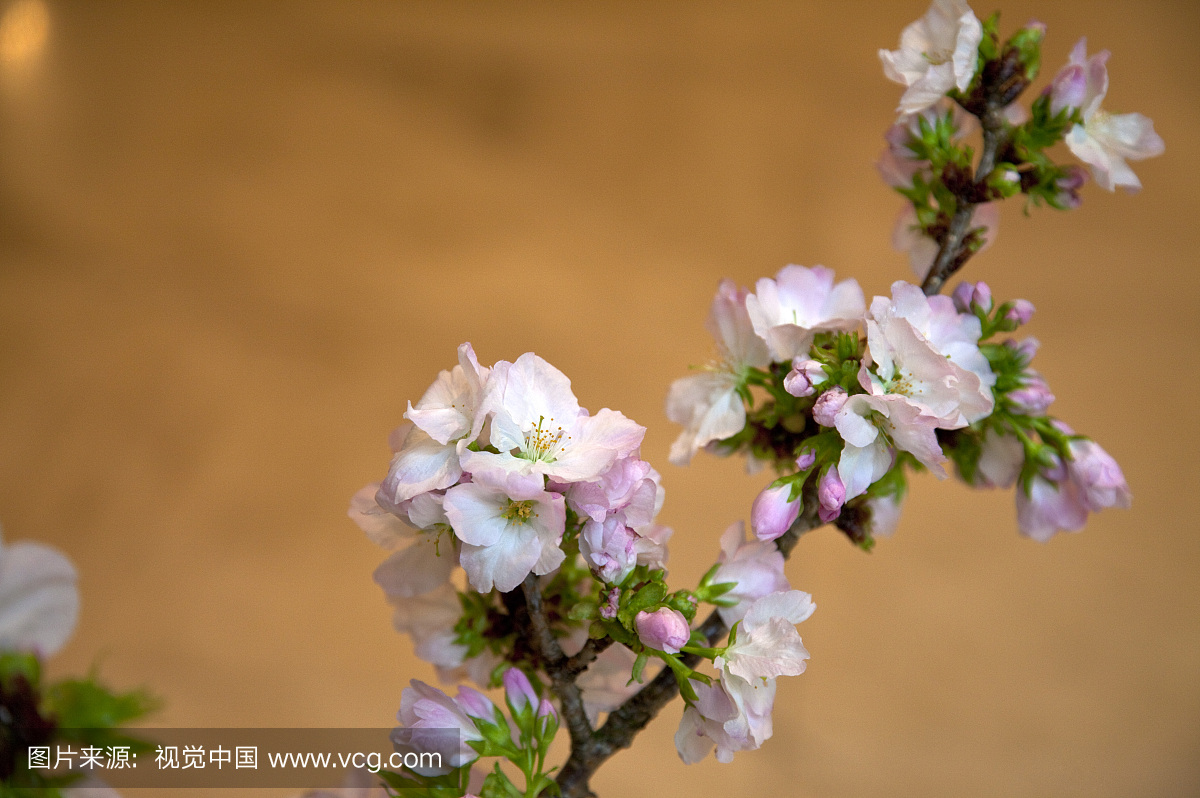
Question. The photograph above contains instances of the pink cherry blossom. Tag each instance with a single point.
(755, 566)
(937, 53)
(788, 311)
(509, 525)
(708, 404)
(538, 427)
(1105, 141)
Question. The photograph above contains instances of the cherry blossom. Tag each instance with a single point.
(788, 311)
(39, 598)
(937, 53)
(708, 404)
(1105, 140)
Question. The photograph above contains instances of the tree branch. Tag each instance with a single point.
(555, 664)
(1001, 82)
(624, 723)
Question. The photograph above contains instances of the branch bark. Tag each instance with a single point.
(624, 723)
(1001, 82)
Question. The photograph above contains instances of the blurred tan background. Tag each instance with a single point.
(235, 238)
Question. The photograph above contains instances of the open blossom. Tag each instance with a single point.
(430, 556)
(1104, 141)
(708, 404)
(539, 428)
(734, 714)
(871, 425)
(1061, 497)
(788, 311)
(448, 410)
(937, 53)
(509, 525)
(926, 351)
(39, 599)
(755, 566)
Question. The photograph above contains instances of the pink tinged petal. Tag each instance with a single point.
(381, 527)
(475, 511)
(504, 564)
(730, 325)
(1101, 482)
(773, 512)
(1049, 508)
(709, 408)
(885, 515)
(1000, 461)
(832, 495)
(913, 432)
(664, 629)
(861, 467)
(794, 606)
(475, 704)
(1069, 88)
(771, 650)
(755, 566)
(597, 443)
(422, 465)
(853, 421)
(907, 237)
(535, 389)
(519, 690)
(420, 568)
(691, 742)
(427, 510)
(39, 599)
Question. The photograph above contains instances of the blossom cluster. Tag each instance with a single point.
(500, 471)
(841, 397)
(956, 72)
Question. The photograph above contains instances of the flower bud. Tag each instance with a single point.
(1027, 347)
(827, 406)
(608, 610)
(805, 375)
(1068, 185)
(806, 459)
(1033, 398)
(968, 296)
(663, 630)
(518, 690)
(1021, 311)
(546, 710)
(832, 495)
(773, 512)
(1098, 475)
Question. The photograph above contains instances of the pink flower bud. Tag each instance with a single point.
(772, 512)
(806, 459)
(1021, 312)
(1100, 479)
(1069, 88)
(1033, 398)
(664, 629)
(832, 495)
(969, 295)
(608, 609)
(1028, 347)
(805, 375)
(827, 406)
(518, 690)
(546, 710)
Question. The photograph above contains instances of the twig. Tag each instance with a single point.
(1000, 83)
(624, 723)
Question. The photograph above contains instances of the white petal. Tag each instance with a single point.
(39, 599)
